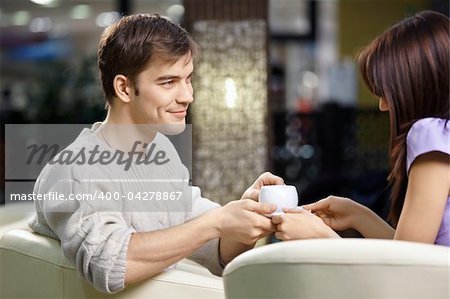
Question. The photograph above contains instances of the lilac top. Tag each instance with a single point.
(427, 135)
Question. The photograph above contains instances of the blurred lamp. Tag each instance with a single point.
(20, 18)
(230, 93)
(45, 2)
(107, 18)
(80, 12)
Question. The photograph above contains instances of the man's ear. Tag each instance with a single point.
(123, 88)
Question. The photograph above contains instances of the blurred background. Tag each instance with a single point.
(276, 86)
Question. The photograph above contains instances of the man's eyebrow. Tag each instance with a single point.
(167, 77)
(171, 77)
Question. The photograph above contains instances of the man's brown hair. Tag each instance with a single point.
(128, 46)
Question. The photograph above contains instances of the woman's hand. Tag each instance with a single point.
(339, 213)
(301, 224)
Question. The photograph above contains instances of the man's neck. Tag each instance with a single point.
(120, 131)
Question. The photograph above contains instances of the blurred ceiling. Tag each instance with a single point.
(74, 26)
(22, 20)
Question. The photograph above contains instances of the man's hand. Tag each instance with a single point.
(242, 221)
(240, 225)
(264, 179)
(243, 224)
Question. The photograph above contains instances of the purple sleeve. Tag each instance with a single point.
(427, 135)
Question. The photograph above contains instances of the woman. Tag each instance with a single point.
(407, 69)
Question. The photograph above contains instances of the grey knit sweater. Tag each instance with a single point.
(94, 234)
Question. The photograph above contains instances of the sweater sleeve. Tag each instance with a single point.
(94, 237)
(208, 254)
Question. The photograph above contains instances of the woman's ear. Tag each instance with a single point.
(383, 105)
(122, 87)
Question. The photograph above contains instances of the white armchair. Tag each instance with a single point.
(33, 266)
(344, 268)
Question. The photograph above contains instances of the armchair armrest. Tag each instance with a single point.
(33, 266)
(344, 268)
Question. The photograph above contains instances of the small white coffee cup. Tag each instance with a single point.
(283, 196)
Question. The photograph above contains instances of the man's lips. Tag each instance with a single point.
(179, 114)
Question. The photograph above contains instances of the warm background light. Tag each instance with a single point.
(230, 93)
(229, 114)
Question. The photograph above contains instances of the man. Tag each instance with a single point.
(146, 64)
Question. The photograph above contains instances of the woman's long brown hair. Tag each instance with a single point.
(408, 66)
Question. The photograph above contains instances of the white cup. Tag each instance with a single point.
(283, 196)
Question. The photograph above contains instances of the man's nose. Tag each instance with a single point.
(186, 94)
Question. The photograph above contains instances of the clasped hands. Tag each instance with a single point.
(317, 220)
(245, 221)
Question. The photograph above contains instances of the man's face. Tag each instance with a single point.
(165, 92)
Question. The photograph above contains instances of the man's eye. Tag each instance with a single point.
(189, 79)
(168, 83)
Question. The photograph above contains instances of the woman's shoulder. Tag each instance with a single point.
(431, 122)
(427, 135)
